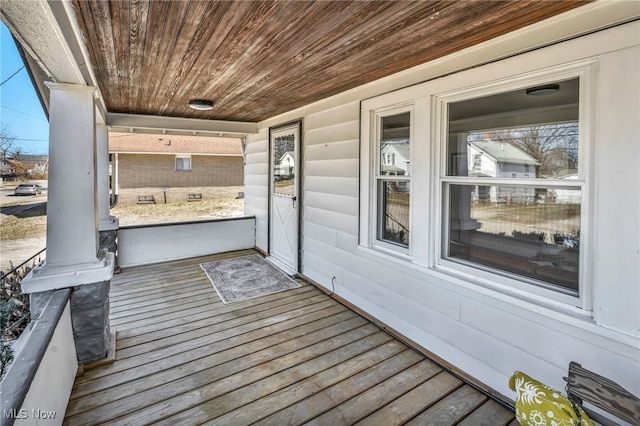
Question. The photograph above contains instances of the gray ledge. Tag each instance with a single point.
(17, 381)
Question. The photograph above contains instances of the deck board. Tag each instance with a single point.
(452, 408)
(328, 398)
(489, 414)
(383, 393)
(309, 386)
(145, 364)
(202, 324)
(162, 385)
(295, 357)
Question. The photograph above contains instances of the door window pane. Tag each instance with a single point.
(284, 167)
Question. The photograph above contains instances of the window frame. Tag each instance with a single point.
(182, 157)
(491, 277)
(374, 207)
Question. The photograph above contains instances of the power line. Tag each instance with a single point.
(25, 113)
(31, 140)
(12, 75)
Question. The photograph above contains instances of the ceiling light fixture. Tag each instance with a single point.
(201, 104)
(543, 90)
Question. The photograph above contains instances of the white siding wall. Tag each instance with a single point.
(331, 185)
(256, 184)
(486, 333)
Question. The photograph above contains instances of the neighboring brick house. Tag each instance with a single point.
(175, 166)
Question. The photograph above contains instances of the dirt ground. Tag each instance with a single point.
(23, 219)
(22, 224)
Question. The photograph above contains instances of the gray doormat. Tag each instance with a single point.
(246, 277)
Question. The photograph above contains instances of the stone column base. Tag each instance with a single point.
(90, 320)
(89, 303)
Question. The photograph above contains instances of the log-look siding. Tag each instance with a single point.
(487, 333)
(148, 171)
(256, 185)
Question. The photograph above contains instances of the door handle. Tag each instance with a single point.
(294, 199)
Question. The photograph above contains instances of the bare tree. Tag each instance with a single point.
(554, 146)
(7, 143)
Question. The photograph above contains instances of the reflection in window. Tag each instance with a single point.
(538, 240)
(394, 145)
(393, 179)
(514, 133)
(517, 209)
(551, 150)
(284, 165)
(394, 212)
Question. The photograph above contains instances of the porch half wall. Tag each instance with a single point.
(141, 245)
(485, 333)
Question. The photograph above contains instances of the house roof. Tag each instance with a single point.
(401, 146)
(289, 153)
(32, 159)
(403, 149)
(173, 144)
(504, 152)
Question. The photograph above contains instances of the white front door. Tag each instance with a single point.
(284, 211)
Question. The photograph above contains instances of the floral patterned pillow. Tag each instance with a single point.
(540, 405)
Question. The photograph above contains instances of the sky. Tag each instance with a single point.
(21, 113)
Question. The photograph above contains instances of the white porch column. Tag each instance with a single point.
(73, 257)
(105, 220)
(72, 234)
(107, 225)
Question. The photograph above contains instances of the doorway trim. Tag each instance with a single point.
(298, 183)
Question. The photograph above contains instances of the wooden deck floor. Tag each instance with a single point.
(296, 357)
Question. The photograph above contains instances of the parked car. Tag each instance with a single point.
(28, 189)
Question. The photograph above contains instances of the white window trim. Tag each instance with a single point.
(505, 282)
(370, 176)
(426, 154)
(178, 156)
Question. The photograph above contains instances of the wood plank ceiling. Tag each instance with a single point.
(257, 59)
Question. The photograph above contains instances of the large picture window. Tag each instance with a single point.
(393, 172)
(513, 184)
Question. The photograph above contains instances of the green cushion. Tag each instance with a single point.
(540, 405)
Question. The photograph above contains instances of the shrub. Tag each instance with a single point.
(14, 312)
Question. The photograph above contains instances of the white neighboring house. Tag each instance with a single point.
(395, 158)
(286, 164)
(569, 196)
(500, 160)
